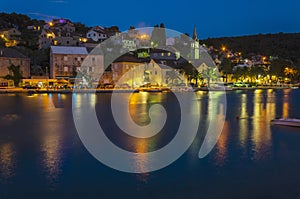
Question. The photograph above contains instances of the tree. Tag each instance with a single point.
(256, 71)
(15, 74)
(209, 74)
(226, 68)
(241, 73)
(277, 67)
(81, 28)
(158, 37)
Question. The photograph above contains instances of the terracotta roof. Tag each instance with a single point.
(11, 53)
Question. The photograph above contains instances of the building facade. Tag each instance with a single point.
(97, 34)
(67, 61)
(8, 57)
(132, 72)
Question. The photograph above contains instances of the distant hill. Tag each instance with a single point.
(284, 45)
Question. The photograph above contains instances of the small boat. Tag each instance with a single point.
(286, 122)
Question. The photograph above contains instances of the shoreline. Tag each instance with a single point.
(66, 91)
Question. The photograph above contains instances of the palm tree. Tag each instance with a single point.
(209, 74)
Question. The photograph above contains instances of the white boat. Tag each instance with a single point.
(286, 122)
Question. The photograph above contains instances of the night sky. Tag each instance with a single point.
(212, 18)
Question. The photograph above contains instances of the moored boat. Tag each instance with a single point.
(286, 122)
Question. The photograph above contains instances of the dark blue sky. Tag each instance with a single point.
(213, 18)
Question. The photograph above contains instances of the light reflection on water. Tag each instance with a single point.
(7, 162)
(285, 106)
(249, 135)
(51, 141)
(264, 111)
(243, 121)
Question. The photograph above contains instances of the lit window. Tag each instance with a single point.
(66, 69)
(65, 58)
(162, 54)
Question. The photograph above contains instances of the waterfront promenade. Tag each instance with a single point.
(32, 91)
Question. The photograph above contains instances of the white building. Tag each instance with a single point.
(97, 34)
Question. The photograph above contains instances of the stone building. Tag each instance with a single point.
(67, 61)
(10, 56)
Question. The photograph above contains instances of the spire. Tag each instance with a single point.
(195, 37)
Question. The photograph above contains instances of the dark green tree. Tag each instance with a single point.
(226, 68)
(158, 36)
(240, 73)
(15, 74)
(277, 67)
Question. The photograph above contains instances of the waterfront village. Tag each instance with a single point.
(64, 59)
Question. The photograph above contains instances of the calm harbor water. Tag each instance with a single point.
(41, 155)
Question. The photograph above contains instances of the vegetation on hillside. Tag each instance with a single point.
(283, 45)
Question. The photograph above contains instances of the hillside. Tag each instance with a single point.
(284, 45)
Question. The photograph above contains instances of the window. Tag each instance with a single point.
(68, 42)
(94, 35)
(89, 35)
(65, 58)
(155, 72)
(66, 69)
(93, 58)
(162, 54)
(127, 67)
(91, 69)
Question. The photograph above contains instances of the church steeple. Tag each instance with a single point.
(195, 37)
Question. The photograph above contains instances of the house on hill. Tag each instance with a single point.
(11, 36)
(97, 34)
